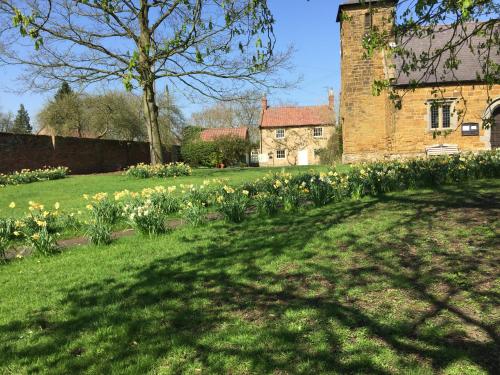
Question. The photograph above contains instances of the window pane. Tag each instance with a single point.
(280, 154)
(446, 116)
(280, 133)
(318, 132)
(434, 116)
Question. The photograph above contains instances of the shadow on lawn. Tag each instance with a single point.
(289, 295)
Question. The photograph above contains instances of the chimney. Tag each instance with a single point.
(264, 103)
(331, 99)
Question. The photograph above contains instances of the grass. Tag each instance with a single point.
(404, 283)
(68, 192)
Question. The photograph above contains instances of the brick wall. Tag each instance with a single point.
(80, 155)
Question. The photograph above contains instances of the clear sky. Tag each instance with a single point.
(308, 25)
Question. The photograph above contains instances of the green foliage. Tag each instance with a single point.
(63, 91)
(195, 214)
(159, 170)
(227, 150)
(27, 176)
(21, 123)
(149, 212)
(267, 204)
(232, 204)
(332, 153)
(199, 153)
(98, 232)
(7, 229)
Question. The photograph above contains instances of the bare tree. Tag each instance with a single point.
(203, 46)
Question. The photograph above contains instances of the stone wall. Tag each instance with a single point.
(296, 138)
(373, 128)
(412, 133)
(80, 155)
(362, 115)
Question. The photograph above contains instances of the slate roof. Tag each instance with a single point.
(471, 60)
(214, 133)
(297, 116)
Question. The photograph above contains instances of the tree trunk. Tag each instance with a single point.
(148, 86)
(151, 112)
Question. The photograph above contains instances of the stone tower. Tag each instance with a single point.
(366, 119)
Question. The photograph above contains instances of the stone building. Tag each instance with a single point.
(292, 135)
(445, 114)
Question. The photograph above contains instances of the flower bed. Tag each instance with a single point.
(26, 176)
(160, 170)
(148, 211)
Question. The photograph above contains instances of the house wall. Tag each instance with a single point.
(296, 138)
(80, 155)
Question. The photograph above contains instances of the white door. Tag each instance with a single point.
(302, 157)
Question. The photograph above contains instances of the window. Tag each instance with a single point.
(440, 114)
(368, 21)
(318, 132)
(446, 116)
(280, 154)
(280, 133)
(434, 116)
(317, 152)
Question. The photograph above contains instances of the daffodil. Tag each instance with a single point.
(12, 205)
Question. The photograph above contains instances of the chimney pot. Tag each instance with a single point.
(264, 102)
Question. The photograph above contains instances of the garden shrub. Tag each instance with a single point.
(26, 176)
(227, 150)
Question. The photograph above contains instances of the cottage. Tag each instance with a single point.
(428, 121)
(292, 135)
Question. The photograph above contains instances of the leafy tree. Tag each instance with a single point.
(64, 90)
(110, 115)
(204, 46)
(6, 122)
(22, 122)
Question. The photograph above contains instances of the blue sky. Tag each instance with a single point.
(308, 25)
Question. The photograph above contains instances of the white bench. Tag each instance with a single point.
(443, 149)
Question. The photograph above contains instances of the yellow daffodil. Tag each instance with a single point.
(12, 205)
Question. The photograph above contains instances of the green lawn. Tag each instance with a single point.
(405, 283)
(68, 192)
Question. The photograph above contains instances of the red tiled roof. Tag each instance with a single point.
(297, 116)
(214, 133)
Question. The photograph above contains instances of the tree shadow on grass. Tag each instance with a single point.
(337, 289)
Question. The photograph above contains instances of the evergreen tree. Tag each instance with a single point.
(63, 91)
(22, 122)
